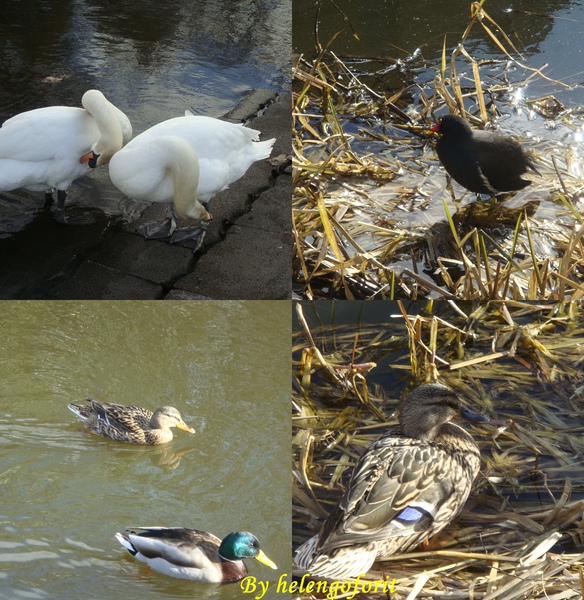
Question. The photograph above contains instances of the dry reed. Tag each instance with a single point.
(346, 246)
(521, 534)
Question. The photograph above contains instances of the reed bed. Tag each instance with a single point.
(521, 534)
(366, 177)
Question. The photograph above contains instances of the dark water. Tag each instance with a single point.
(152, 59)
(546, 33)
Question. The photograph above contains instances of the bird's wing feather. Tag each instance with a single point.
(392, 475)
(181, 547)
(40, 134)
(121, 417)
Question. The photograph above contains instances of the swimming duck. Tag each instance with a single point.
(407, 486)
(193, 554)
(184, 162)
(53, 146)
(131, 424)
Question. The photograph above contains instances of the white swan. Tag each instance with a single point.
(51, 147)
(185, 161)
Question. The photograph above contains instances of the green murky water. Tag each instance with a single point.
(224, 365)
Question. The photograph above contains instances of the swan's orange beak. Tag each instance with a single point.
(90, 158)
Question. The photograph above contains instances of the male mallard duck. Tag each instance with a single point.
(132, 424)
(193, 554)
(407, 486)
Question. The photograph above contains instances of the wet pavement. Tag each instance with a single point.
(246, 253)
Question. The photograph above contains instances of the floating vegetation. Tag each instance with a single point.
(521, 534)
(374, 217)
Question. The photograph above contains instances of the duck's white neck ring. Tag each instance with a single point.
(226, 559)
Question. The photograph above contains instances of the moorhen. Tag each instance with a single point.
(481, 161)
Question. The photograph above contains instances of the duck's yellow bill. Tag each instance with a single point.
(185, 427)
(265, 560)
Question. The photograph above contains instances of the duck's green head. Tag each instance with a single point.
(242, 544)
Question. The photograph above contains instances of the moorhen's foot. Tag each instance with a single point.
(187, 234)
(157, 230)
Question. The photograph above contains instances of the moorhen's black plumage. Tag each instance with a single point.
(481, 161)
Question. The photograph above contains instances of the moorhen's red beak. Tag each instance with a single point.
(436, 127)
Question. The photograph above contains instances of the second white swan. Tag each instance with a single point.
(185, 161)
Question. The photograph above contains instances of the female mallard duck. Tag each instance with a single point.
(406, 487)
(193, 554)
(131, 424)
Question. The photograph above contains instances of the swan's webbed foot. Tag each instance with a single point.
(187, 234)
(157, 230)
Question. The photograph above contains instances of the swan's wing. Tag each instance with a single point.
(43, 133)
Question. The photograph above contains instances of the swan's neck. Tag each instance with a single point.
(109, 124)
(183, 163)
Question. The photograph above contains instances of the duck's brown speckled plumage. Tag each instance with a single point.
(407, 486)
(131, 424)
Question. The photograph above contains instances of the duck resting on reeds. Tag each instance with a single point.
(131, 424)
(407, 486)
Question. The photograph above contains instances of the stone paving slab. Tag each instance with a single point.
(47, 252)
(93, 281)
(148, 259)
(249, 263)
